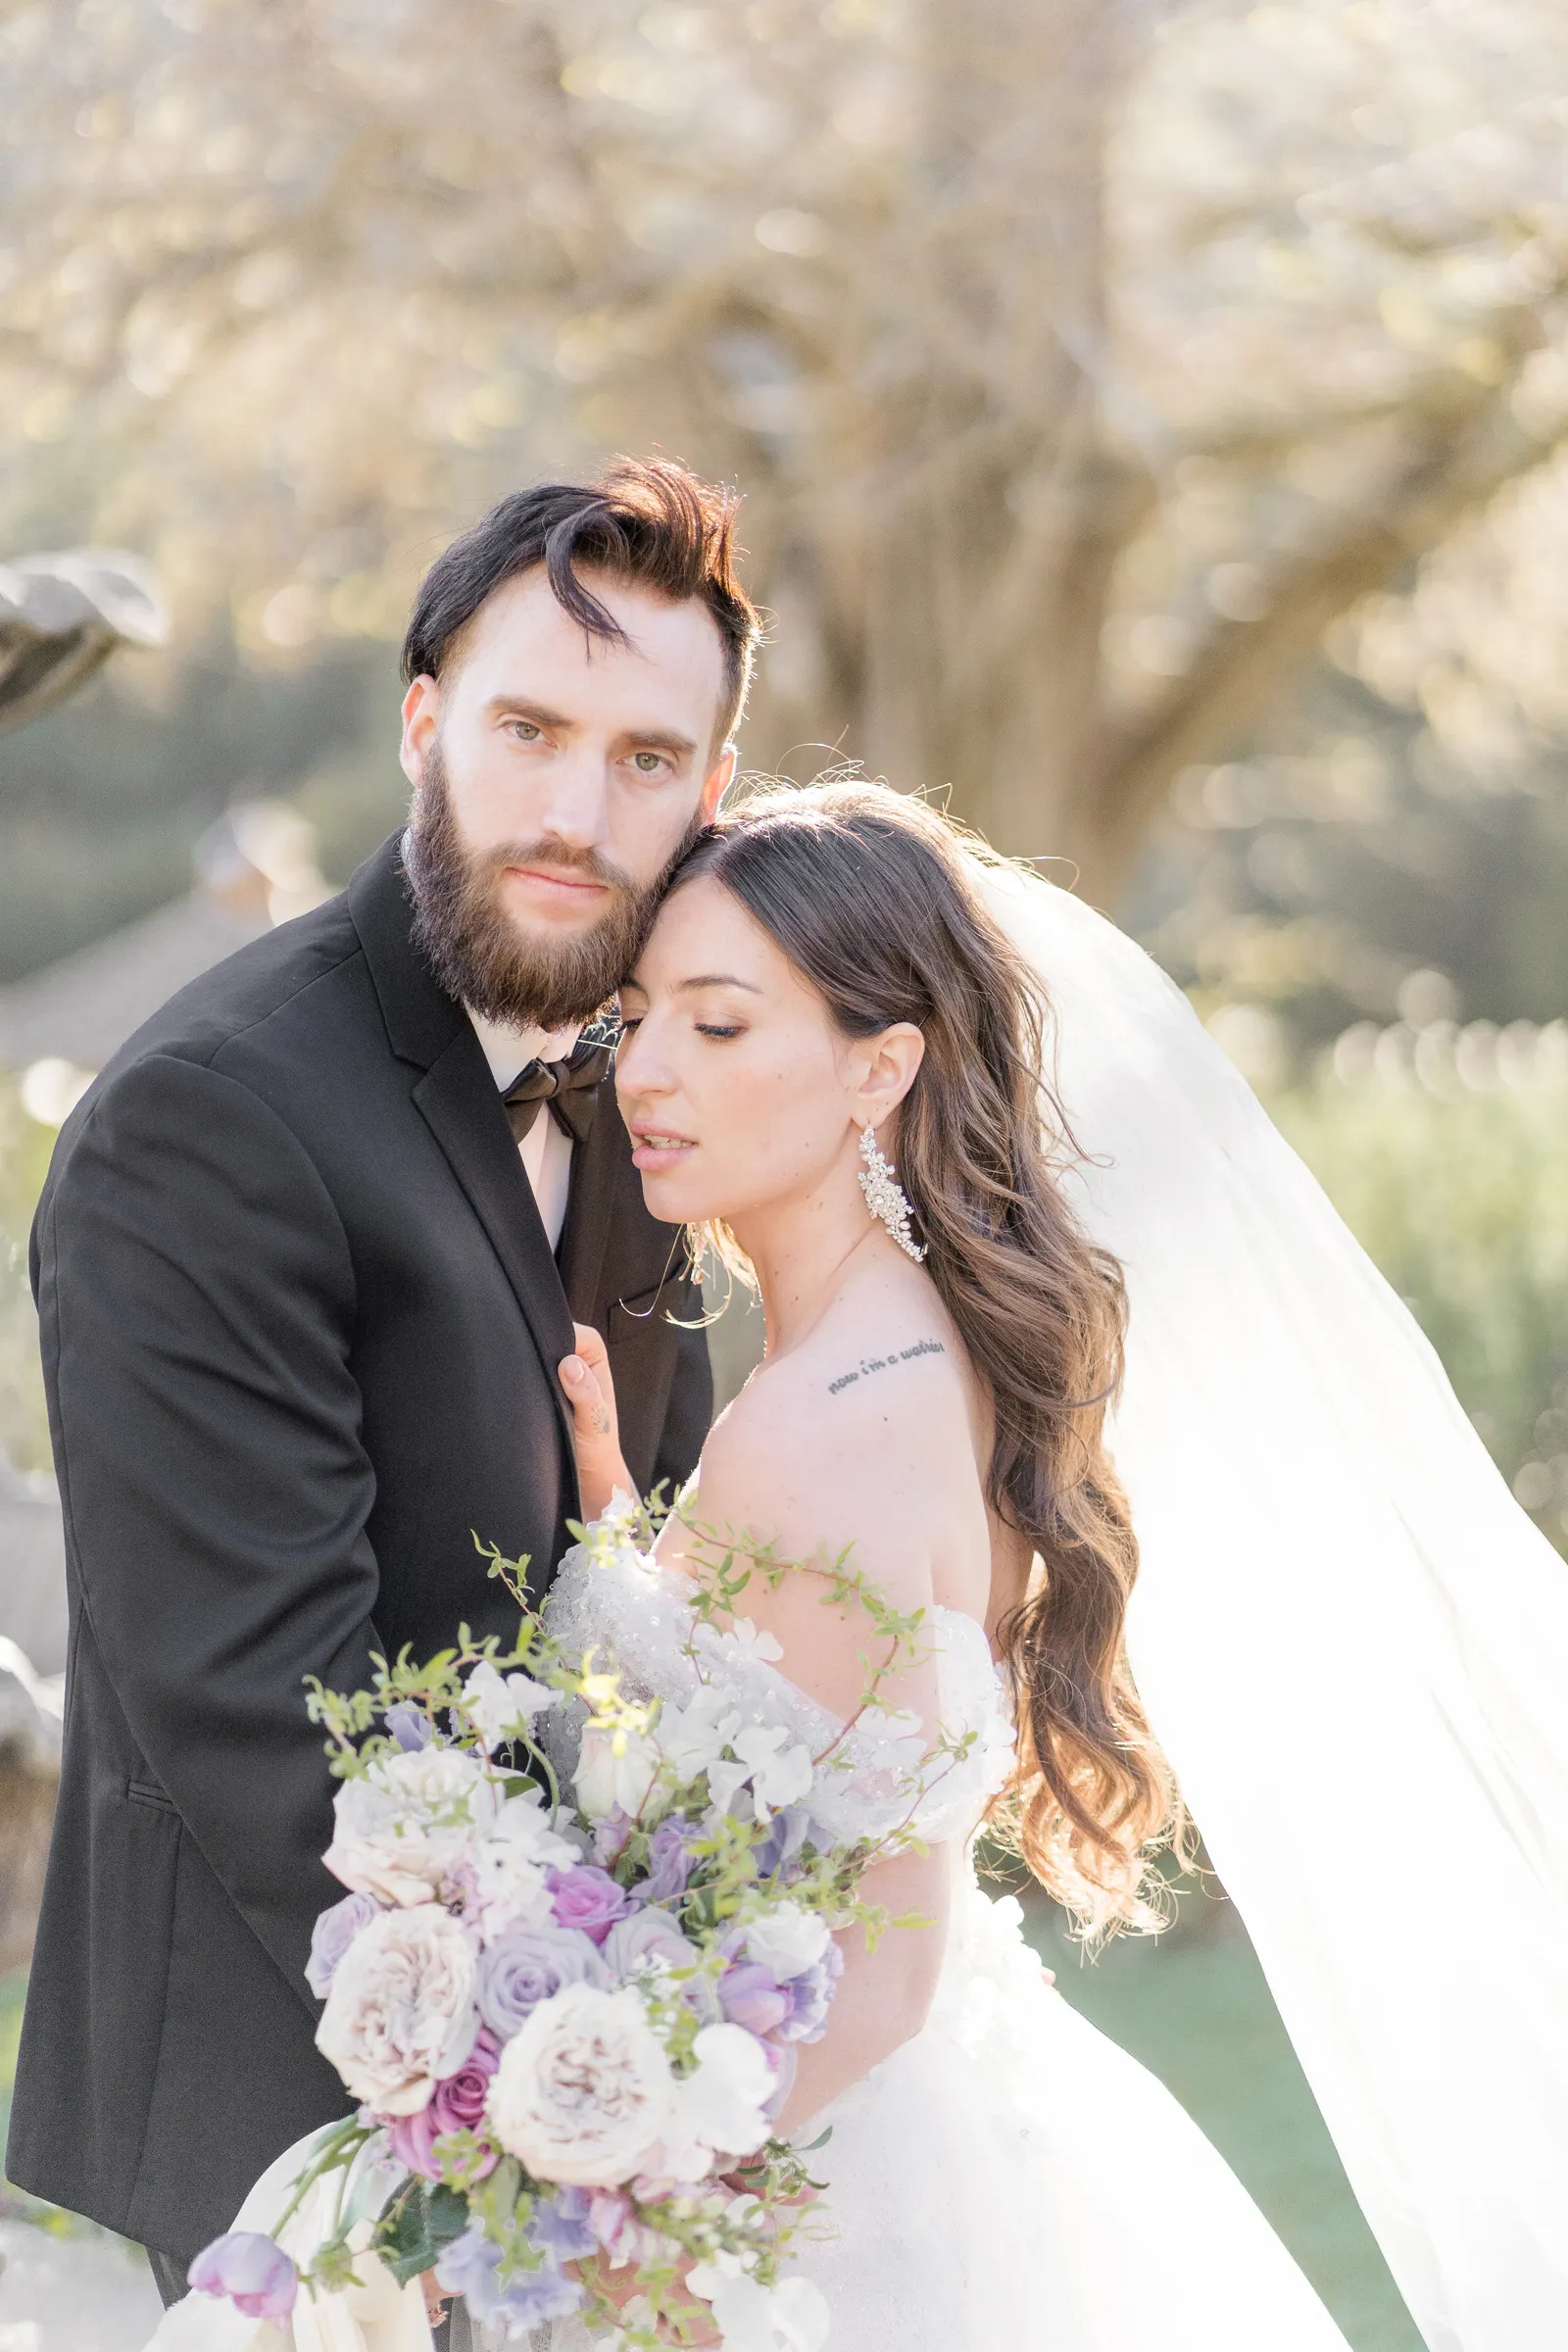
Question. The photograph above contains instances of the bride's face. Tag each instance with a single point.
(737, 1087)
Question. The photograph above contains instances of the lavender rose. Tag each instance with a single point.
(587, 1898)
(526, 1966)
(332, 1936)
(455, 2105)
(643, 1937)
(254, 2275)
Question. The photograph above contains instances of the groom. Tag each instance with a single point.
(307, 1264)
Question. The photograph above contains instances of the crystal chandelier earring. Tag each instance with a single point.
(885, 1197)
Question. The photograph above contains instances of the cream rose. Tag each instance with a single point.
(583, 2089)
(402, 1829)
(401, 2015)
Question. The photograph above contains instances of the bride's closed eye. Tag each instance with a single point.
(720, 1028)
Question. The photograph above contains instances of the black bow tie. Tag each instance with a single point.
(568, 1086)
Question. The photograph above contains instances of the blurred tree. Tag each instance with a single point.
(1401, 819)
(1081, 358)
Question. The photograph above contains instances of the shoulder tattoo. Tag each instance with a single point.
(884, 1364)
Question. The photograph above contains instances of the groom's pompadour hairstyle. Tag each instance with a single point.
(645, 521)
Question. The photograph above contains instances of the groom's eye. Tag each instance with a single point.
(648, 763)
(524, 730)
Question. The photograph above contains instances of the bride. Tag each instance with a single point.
(1303, 1582)
(824, 1000)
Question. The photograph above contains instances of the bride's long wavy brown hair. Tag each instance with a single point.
(874, 898)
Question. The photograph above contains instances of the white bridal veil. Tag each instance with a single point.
(1352, 1644)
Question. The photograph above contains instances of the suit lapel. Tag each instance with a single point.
(460, 1104)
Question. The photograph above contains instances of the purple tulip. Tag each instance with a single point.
(750, 1995)
(669, 1861)
(526, 1966)
(254, 2273)
(587, 1898)
(408, 1725)
(455, 2105)
(611, 1835)
(470, 2267)
(334, 1931)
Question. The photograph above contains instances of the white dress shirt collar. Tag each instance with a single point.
(545, 1150)
(509, 1051)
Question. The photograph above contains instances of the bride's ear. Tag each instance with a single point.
(887, 1067)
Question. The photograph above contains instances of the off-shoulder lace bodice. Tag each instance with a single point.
(639, 1617)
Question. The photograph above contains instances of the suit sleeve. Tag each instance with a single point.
(689, 1411)
(197, 1297)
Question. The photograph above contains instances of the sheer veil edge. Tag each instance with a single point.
(1352, 1641)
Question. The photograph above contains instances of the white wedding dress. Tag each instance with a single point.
(1008, 2180)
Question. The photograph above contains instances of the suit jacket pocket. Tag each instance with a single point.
(150, 1793)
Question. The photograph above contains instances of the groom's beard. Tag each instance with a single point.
(478, 951)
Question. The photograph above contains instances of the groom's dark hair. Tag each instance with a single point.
(645, 521)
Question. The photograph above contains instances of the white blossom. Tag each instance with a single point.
(791, 2317)
(722, 2107)
(694, 1738)
(741, 1640)
(779, 1773)
(787, 1939)
(503, 1707)
(509, 1866)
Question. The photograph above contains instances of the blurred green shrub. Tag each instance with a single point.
(24, 1149)
(1446, 1150)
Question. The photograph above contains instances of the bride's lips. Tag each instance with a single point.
(653, 1148)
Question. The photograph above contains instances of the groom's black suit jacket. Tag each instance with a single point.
(301, 1323)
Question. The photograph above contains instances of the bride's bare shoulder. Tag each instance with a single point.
(862, 1433)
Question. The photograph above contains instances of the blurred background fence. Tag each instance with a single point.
(1152, 420)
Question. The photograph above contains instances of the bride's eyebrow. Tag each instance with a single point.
(718, 980)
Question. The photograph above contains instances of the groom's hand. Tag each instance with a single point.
(591, 1394)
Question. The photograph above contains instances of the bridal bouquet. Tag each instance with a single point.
(569, 2026)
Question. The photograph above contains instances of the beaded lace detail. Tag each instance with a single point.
(636, 1614)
